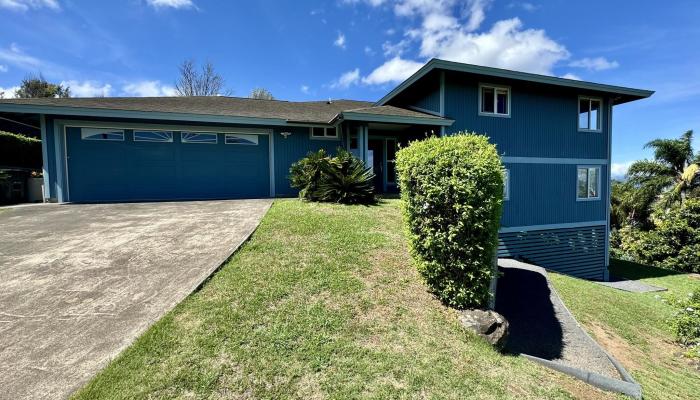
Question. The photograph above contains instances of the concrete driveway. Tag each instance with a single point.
(78, 283)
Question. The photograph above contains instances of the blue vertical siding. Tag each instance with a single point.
(425, 94)
(294, 147)
(543, 194)
(49, 143)
(542, 123)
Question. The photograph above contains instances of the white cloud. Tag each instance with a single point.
(530, 7)
(347, 79)
(25, 5)
(619, 170)
(340, 41)
(148, 89)
(88, 88)
(569, 75)
(395, 70)
(3, 68)
(594, 64)
(15, 56)
(8, 93)
(305, 89)
(369, 51)
(396, 49)
(176, 4)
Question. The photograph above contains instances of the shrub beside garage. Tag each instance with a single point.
(19, 151)
(452, 195)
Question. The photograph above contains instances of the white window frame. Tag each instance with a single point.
(588, 177)
(133, 135)
(599, 123)
(495, 112)
(506, 185)
(182, 137)
(325, 136)
(84, 132)
(226, 135)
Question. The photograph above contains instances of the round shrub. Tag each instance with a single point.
(452, 192)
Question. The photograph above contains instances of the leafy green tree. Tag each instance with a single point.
(34, 86)
(672, 174)
(262, 94)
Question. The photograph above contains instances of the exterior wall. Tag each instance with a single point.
(541, 147)
(293, 148)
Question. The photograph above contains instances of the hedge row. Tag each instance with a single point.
(19, 151)
(452, 192)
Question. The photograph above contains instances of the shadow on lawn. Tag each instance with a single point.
(621, 270)
(523, 299)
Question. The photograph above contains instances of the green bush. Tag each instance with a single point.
(686, 322)
(673, 243)
(340, 179)
(452, 192)
(19, 151)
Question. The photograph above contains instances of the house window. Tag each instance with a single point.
(239, 138)
(199, 137)
(153, 136)
(102, 134)
(589, 114)
(319, 132)
(494, 100)
(588, 183)
(506, 185)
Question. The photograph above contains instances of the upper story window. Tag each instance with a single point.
(506, 185)
(494, 100)
(102, 134)
(319, 132)
(588, 183)
(589, 114)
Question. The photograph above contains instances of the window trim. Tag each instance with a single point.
(112, 130)
(325, 132)
(226, 135)
(600, 113)
(506, 184)
(133, 135)
(600, 180)
(182, 139)
(495, 100)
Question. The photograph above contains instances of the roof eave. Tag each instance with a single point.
(630, 94)
(396, 119)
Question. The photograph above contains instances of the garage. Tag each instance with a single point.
(107, 164)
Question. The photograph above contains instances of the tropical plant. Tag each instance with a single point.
(672, 174)
(34, 86)
(452, 192)
(340, 179)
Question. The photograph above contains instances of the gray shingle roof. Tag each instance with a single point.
(302, 111)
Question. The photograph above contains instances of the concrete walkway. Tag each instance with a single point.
(81, 282)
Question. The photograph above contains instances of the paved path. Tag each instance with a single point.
(540, 324)
(80, 282)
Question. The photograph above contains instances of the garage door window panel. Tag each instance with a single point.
(199, 137)
(241, 139)
(102, 134)
(153, 136)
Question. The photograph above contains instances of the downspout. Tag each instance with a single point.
(606, 272)
(45, 158)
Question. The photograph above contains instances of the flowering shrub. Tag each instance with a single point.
(686, 322)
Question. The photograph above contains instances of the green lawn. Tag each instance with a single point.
(633, 327)
(322, 302)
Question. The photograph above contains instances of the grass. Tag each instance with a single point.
(322, 302)
(633, 326)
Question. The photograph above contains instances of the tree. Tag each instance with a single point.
(206, 82)
(674, 172)
(261, 93)
(34, 86)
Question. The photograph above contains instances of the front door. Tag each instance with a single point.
(375, 156)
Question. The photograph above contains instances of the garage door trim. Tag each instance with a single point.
(63, 125)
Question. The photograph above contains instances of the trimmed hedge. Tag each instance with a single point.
(19, 151)
(452, 192)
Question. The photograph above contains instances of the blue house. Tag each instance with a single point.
(553, 135)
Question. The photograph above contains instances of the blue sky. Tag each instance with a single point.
(360, 49)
